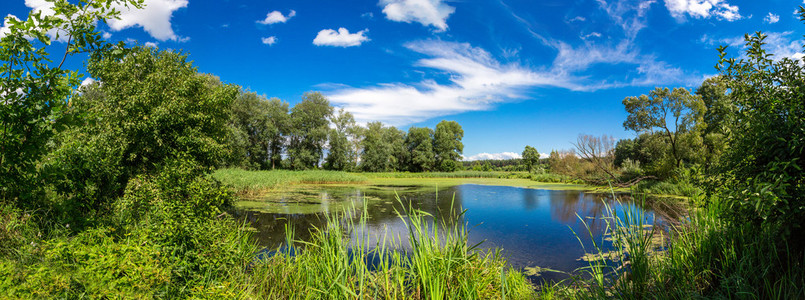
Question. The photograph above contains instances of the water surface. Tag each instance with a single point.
(532, 227)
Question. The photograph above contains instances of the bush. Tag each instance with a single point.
(764, 167)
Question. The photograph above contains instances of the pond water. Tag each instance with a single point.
(532, 227)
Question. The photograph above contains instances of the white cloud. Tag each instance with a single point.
(151, 44)
(106, 35)
(340, 38)
(476, 82)
(592, 34)
(5, 29)
(495, 156)
(577, 18)
(426, 12)
(269, 40)
(154, 18)
(771, 18)
(703, 9)
(277, 17)
(780, 44)
(629, 15)
(88, 81)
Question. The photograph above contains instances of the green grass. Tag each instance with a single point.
(433, 262)
(705, 257)
(257, 181)
(457, 174)
(438, 265)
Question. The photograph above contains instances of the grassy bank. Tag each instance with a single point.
(439, 265)
(243, 181)
(218, 260)
(247, 182)
(704, 257)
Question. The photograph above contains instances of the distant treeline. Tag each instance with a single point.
(265, 134)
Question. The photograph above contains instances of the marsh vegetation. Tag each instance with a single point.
(152, 182)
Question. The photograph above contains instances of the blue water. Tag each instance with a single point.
(532, 227)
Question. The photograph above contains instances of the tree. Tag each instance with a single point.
(447, 145)
(717, 118)
(377, 153)
(420, 144)
(400, 156)
(249, 132)
(599, 151)
(279, 126)
(763, 170)
(530, 157)
(651, 111)
(149, 109)
(308, 132)
(341, 154)
(34, 92)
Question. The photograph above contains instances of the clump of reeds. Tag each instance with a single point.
(433, 262)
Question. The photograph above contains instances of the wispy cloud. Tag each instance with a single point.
(426, 12)
(477, 81)
(340, 38)
(780, 44)
(703, 9)
(277, 17)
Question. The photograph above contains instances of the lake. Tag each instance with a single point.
(533, 227)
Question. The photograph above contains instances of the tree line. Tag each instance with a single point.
(267, 134)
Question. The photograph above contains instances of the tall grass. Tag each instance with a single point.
(337, 264)
(704, 256)
(457, 174)
(254, 181)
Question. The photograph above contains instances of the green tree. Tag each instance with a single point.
(530, 157)
(35, 92)
(447, 145)
(309, 125)
(377, 153)
(250, 131)
(420, 144)
(717, 118)
(763, 169)
(661, 107)
(400, 156)
(341, 155)
(150, 108)
(279, 121)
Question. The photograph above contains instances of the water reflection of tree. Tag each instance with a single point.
(381, 207)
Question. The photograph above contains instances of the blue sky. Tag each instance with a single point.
(511, 72)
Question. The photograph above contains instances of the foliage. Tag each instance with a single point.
(35, 93)
(599, 152)
(151, 107)
(651, 111)
(530, 157)
(308, 131)
(717, 118)
(256, 128)
(342, 156)
(376, 155)
(447, 145)
(441, 265)
(419, 142)
(384, 149)
(764, 167)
